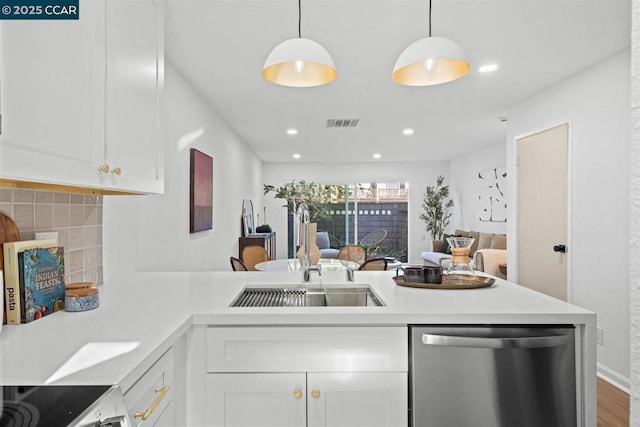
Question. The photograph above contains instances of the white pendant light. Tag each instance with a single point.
(430, 61)
(299, 62)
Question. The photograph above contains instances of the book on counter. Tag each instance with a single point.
(42, 287)
(11, 277)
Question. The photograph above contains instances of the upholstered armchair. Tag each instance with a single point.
(323, 241)
(489, 260)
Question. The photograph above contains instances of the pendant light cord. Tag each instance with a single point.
(300, 20)
(429, 18)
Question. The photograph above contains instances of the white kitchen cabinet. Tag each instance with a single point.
(134, 86)
(81, 100)
(53, 99)
(256, 399)
(312, 399)
(151, 399)
(347, 376)
(371, 399)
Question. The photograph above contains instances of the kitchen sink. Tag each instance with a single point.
(287, 296)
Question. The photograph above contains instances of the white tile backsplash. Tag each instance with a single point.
(77, 218)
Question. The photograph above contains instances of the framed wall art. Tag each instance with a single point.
(491, 195)
(201, 192)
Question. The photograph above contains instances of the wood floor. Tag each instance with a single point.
(613, 406)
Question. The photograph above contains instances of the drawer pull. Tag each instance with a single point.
(116, 171)
(315, 393)
(162, 392)
(104, 168)
(297, 393)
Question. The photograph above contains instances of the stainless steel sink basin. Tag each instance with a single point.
(277, 296)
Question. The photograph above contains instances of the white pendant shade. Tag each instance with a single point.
(430, 61)
(299, 62)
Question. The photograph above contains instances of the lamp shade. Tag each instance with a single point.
(430, 61)
(299, 62)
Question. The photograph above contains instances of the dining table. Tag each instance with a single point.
(293, 264)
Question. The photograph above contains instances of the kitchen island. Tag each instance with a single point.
(142, 317)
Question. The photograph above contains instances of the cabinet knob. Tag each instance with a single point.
(116, 171)
(104, 168)
(315, 393)
(297, 393)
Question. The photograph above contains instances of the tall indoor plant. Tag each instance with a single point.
(437, 208)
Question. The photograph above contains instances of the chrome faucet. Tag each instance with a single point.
(304, 224)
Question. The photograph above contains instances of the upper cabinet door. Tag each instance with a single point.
(52, 98)
(135, 80)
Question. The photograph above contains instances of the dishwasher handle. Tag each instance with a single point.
(494, 343)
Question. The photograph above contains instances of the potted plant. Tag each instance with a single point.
(316, 197)
(437, 208)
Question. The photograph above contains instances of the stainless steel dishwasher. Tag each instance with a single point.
(469, 376)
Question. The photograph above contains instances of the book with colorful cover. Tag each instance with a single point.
(11, 278)
(42, 286)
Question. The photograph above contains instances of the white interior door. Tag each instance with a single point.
(542, 211)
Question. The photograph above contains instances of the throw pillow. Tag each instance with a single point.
(476, 241)
(461, 233)
(499, 241)
(484, 240)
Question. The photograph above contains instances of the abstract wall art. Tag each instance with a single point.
(492, 201)
(201, 192)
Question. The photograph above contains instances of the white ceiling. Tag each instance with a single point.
(220, 47)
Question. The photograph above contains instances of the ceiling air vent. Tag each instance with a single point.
(342, 123)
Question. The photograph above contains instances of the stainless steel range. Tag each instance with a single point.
(63, 406)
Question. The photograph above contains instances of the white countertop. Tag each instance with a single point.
(140, 317)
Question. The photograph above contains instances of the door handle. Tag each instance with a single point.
(494, 343)
(560, 248)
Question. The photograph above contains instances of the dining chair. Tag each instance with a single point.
(371, 242)
(374, 264)
(252, 255)
(355, 253)
(237, 264)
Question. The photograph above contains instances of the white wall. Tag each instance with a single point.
(418, 175)
(464, 188)
(595, 102)
(634, 209)
(154, 230)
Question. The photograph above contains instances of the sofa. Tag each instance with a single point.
(488, 251)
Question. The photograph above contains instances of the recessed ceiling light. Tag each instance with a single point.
(488, 68)
(296, 156)
(377, 155)
(407, 131)
(292, 131)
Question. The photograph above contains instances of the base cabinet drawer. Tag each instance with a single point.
(150, 400)
(303, 349)
(377, 399)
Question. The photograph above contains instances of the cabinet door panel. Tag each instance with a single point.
(53, 98)
(249, 400)
(357, 399)
(134, 83)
